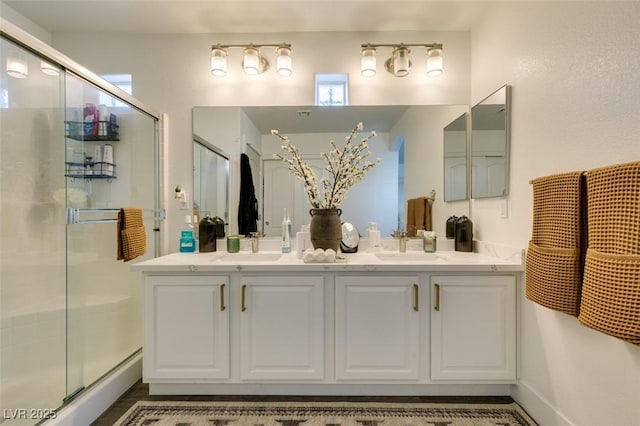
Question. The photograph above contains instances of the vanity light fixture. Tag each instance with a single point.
(399, 63)
(253, 62)
(17, 66)
(368, 61)
(48, 68)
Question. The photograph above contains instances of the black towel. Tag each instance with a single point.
(248, 206)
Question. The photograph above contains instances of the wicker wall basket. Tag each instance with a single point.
(611, 295)
(553, 278)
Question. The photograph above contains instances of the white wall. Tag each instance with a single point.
(573, 68)
(171, 73)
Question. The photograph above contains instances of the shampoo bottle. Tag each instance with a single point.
(286, 233)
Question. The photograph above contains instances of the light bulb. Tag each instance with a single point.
(48, 68)
(368, 62)
(434, 62)
(283, 62)
(251, 62)
(401, 61)
(219, 62)
(17, 66)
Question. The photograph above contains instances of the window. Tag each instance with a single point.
(121, 81)
(332, 89)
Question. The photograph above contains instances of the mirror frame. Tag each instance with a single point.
(466, 118)
(507, 139)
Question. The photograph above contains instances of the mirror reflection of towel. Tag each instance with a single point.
(132, 238)
(418, 215)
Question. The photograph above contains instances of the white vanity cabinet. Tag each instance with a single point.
(473, 327)
(365, 326)
(186, 327)
(281, 327)
(377, 327)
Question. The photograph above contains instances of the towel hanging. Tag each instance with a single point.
(553, 265)
(611, 287)
(132, 238)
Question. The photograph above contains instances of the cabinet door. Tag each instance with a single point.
(473, 328)
(282, 328)
(186, 328)
(377, 328)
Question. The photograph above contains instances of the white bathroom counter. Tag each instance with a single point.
(385, 261)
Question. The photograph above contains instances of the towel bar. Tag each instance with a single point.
(73, 215)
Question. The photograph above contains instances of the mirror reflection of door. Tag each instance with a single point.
(282, 190)
(210, 181)
(488, 175)
(455, 159)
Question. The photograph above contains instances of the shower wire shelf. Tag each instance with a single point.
(90, 170)
(92, 131)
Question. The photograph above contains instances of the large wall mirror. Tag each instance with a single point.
(490, 145)
(455, 159)
(210, 180)
(409, 141)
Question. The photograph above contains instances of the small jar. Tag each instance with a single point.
(233, 243)
(429, 241)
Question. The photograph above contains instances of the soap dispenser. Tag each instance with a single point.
(373, 235)
(451, 227)
(464, 234)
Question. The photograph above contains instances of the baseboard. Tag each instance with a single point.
(88, 406)
(539, 408)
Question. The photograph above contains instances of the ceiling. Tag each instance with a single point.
(246, 16)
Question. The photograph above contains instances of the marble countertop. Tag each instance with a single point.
(392, 261)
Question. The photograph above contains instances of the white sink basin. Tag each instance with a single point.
(408, 257)
(249, 257)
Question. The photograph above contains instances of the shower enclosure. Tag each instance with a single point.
(73, 151)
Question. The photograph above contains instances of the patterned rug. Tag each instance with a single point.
(210, 413)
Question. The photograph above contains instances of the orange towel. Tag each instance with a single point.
(418, 215)
(132, 238)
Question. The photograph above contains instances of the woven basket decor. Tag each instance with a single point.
(556, 211)
(611, 295)
(553, 278)
(613, 209)
(553, 264)
(611, 286)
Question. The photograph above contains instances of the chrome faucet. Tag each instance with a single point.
(255, 242)
(402, 240)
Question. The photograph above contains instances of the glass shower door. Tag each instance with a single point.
(32, 240)
(110, 150)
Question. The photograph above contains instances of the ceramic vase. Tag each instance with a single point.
(325, 228)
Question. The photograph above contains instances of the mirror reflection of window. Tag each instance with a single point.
(490, 145)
